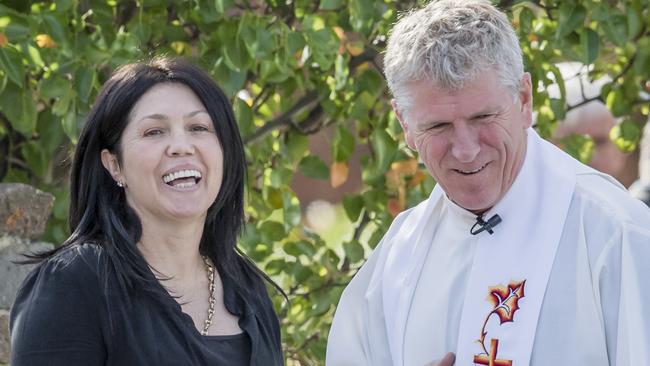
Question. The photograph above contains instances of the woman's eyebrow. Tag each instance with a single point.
(159, 116)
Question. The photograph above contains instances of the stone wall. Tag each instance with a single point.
(24, 212)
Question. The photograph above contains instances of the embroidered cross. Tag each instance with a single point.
(491, 359)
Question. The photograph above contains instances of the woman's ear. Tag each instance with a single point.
(112, 165)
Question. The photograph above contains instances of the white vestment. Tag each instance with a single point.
(596, 305)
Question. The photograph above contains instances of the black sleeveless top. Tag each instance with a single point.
(234, 349)
(62, 316)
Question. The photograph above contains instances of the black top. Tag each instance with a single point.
(66, 314)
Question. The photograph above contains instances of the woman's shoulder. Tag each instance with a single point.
(76, 259)
(73, 266)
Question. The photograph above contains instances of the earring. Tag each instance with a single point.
(120, 184)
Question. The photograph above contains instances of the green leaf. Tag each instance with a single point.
(84, 81)
(313, 167)
(353, 251)
(230, 80)
(558, 108)
(342, 144)
(572, 16)
(51, 87)
(55, 29)
(526, 18)
(11, 62)
(626, 135)
(353, 206)
(62, 104)
(323, 44)
(330, 4)
(244, 115)
(70, 124)
(223, 5)
(233, 48)
(616, 102)
(258, 40)
(297, 145)
(634, 22)
(295, 42)
(20, 109)
(298, 248)
(271, 231)
(615, 29)
(361, 14)
(341, 72)
(590, 44)
(385, 148)
(292, 212)
(559, 80)
(50, 132)
(35, 158)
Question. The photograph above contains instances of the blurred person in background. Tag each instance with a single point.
(641, 188)
(595, 120)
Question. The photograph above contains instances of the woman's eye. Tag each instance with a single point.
(200, 128)
(153, 132)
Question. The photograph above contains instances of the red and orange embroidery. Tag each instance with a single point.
(505, 302)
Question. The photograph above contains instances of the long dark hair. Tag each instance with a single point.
(99, 212)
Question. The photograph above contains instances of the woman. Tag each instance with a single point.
(151, 274)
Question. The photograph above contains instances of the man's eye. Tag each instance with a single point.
(483, 116)
(438, 126)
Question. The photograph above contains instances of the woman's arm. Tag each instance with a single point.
(56, 318)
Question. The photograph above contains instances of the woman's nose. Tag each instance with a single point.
(180, 144)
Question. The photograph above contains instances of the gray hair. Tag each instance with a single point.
(449, 42)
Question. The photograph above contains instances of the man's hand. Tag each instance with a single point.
(448, 360)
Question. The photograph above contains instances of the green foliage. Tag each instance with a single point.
(291, 69)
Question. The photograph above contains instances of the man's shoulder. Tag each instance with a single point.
(601, 198)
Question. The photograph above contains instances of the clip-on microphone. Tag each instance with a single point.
(485, 225)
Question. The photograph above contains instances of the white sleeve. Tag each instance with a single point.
(349, 340)
(633, 333)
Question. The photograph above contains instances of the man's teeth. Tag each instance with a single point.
(182, 174)
(472, 171)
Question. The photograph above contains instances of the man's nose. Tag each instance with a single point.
(465, 146)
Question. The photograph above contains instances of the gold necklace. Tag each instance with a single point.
(211, 300)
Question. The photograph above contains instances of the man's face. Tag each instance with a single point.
(472, 141)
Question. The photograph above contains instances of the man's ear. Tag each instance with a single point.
(526, 99)
(404, 124)
(112, 165)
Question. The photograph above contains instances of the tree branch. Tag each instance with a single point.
(282, 120)
(583, 102)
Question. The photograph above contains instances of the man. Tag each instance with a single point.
(557, 271)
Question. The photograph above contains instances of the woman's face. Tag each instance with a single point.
(172, 161)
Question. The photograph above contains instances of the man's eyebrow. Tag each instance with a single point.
(485, 111)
